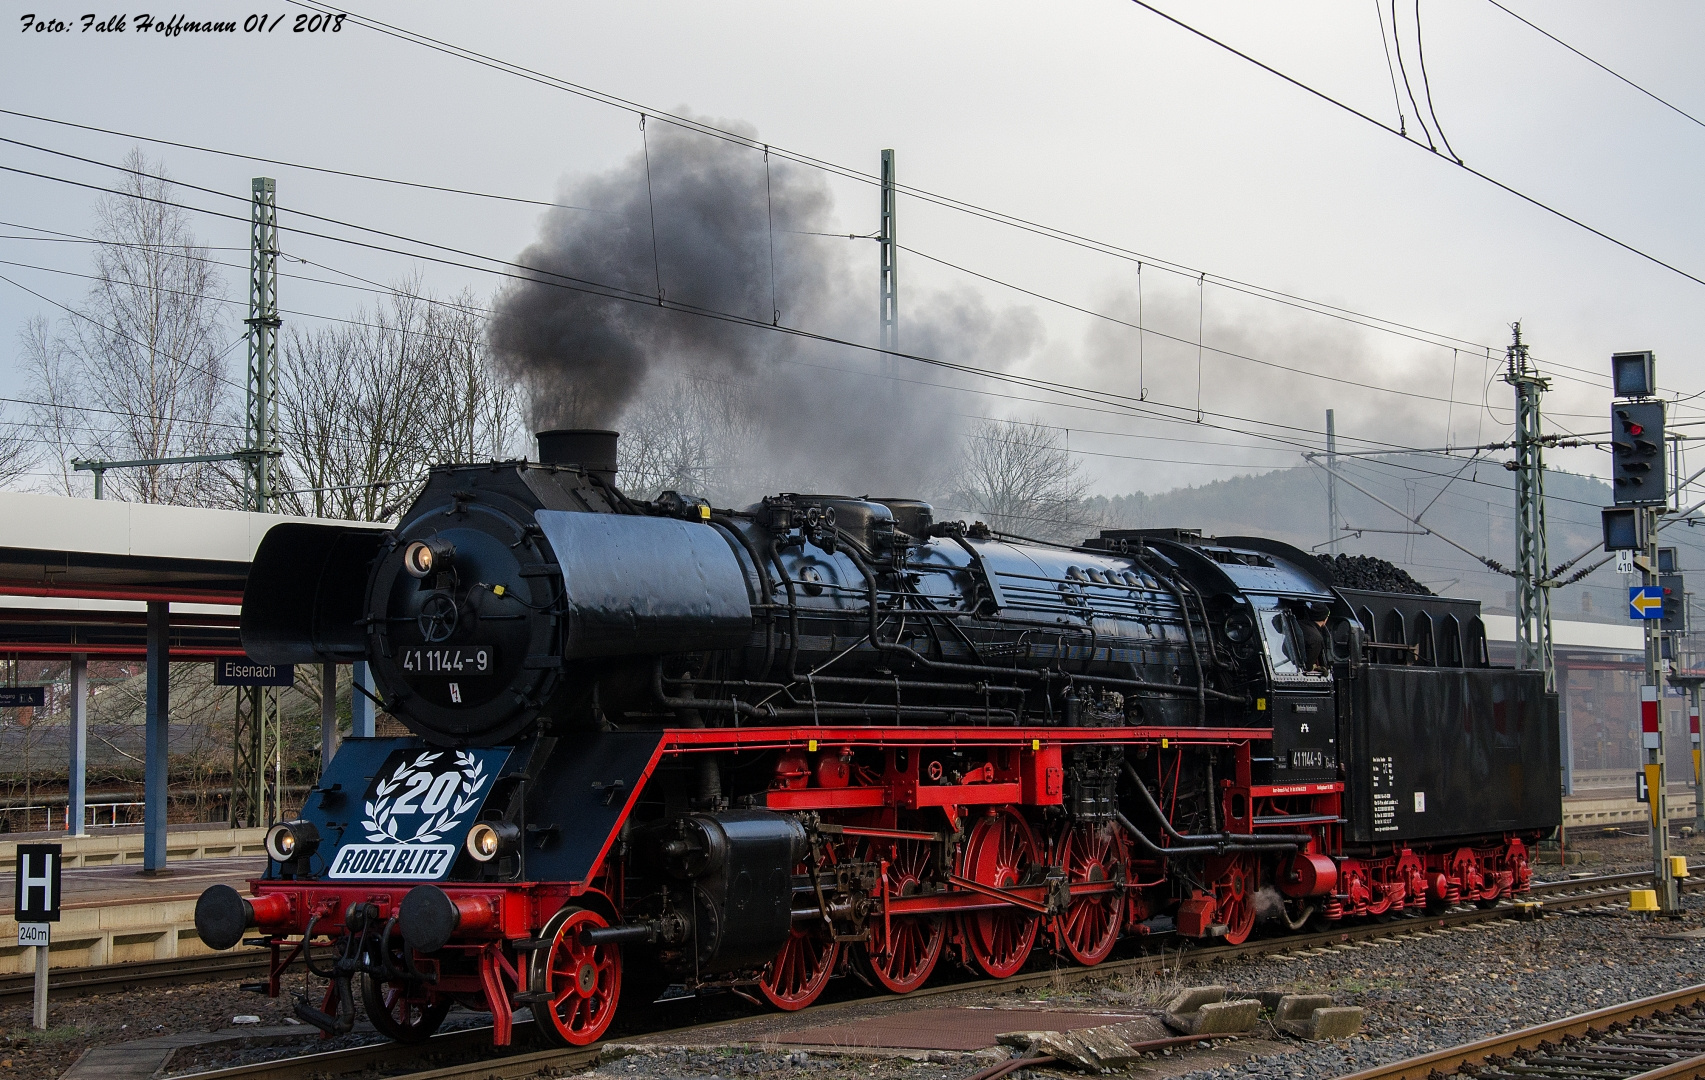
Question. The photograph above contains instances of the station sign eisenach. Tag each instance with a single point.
(241, 671)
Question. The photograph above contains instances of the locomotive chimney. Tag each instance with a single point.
(591, 449)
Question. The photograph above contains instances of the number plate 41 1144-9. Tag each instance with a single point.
(457, 660)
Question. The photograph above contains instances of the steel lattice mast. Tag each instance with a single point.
(889, 310)
(263, 322)
(1533, 590)
(255, 727)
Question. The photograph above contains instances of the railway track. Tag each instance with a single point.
(1654, 1038)
(106, 978)
(525, 1062)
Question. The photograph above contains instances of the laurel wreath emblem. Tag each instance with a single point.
(381, 823)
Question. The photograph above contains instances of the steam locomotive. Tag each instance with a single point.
(660, 743)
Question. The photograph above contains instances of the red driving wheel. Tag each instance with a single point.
(1091, 855)
(1000, 851)
(902, 950)
(803, 965)
(582, 981)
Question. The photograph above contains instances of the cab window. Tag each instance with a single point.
(1282, 635)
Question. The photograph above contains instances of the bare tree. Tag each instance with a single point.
(17, 451)
(692, 434)
(50, 381)
(366, 408)
(1018, 477)
(477, 407)
(137, 369)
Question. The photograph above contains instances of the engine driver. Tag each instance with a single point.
(1314, 636)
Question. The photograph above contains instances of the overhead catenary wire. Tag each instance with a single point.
(847, 172)
(1353, 111)
(1595, 63)
(356, 322)
(411, 240)
(1144, 330)
(1379, 14)
(507, 268)
(1343, 314)
(1427, 86)
(1407, 89)
(1489, 563)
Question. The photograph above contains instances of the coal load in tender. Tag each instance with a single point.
(1371, 574)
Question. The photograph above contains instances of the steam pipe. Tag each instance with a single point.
(834, 709)
(1186, 849)
(727, 526)
(792, 610)
(1262, 842)
(849, 680)
(1189, 629)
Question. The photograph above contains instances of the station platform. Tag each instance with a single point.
(1622, 808)
(111, 912)
(123, 845)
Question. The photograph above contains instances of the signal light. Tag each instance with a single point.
(1624, 529)
(1637, 452)
(1633, 374)
(1675, 603)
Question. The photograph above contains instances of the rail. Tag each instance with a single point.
(1615, 1043)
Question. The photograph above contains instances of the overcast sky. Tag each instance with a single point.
(1096, 118)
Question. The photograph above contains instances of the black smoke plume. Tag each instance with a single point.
(587, 336)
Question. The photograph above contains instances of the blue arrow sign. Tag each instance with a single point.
(1645, 602)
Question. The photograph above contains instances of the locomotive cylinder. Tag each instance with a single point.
(739, 864)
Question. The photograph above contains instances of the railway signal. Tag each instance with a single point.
(1674, 603)
(1637, 453)
(1641, 494)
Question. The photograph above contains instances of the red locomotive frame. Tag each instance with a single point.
(975, 866)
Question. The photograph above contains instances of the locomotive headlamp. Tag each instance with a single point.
(425, 557)
(288, 841)
(489, 839)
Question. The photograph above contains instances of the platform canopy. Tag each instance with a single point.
(76, 575)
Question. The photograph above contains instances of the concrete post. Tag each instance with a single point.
(75, 815)
(360, 705)
(156, 748)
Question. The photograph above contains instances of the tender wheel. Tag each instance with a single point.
(1235, 883)
(583, 981)
(1091, 855)
(999, 853)
(901, 951)
(408, 1012)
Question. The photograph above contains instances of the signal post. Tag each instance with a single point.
(1637, 470)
